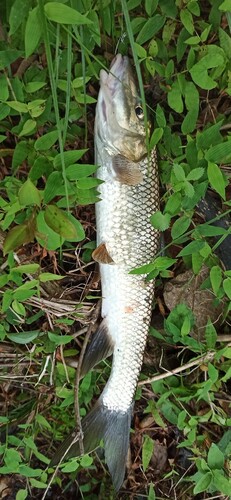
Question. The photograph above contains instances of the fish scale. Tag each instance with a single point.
(129, 195)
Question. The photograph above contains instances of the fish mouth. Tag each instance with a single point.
(118, 70)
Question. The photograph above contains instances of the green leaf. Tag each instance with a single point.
(23, 337)
(179, 172)
(33, 31)
(180, 226)
(78, 171)
(160, 221)
(156, 136)
(187, 20)
(225, 6)
(44, 277)
(26, 269)
(216, 278)
(221, 483)
(46, 141)
(219, 153)
(227, 287)
(31, 87)
(88, 183)
(52, 188)
(18, 236)
(15, 19)
(199, 72)
(174, 97)
(69, 157)
(21, 494)
(210, 335)
(192, 247)
(46, 237)
(147, 451)
(9, 56)
(58, 339)
(20, 153)
(203, 483)
(57, 220)
(28, 128)
(215, 457)
(209, 137)
(29, 195)
(60, 13)
(21, 107)
(216, 179)
(150, 28)
(195, 174)
(71, 466)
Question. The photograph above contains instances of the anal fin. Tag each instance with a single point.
(101, 255)
(99, 348)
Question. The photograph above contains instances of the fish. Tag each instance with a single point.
(126, 239)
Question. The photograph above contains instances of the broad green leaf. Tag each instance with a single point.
(18, 236)
(150, 28)
(52, 188)
(23, 337)
(7, 57)
(69, 157)
(227, 287)
(44, 277)
(221, 483)
(199, 72)
(210, 335)
(29, 195)
(78, 171)
(57, 220)
(26, 268)
(59, 339)
(209, 137)
(33, 31)
(147, 451)
(215, 457)
(187, 20)
(21, 107)
(156, 136)
(225, 6)
(160, 117)
(60, 13)
(15, 20)
(174, 97)
(31, 87)
(160, 221)
(46, 141)
(180, 226)
(203, 483)
(219, 153)
(192, 247)
(88, 182)
(46, 237)
(179, 172)
(195, 174)
(28, 128)
(216, 179)
(21, 494)
(4, 89)
(20, 153)
(216, 278)
(80, 233)
(71, 466)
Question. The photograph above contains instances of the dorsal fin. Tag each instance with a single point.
(126, 172)
(101, 255)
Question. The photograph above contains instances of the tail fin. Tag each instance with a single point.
(110, 426)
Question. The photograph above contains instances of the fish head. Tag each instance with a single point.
(119, 116)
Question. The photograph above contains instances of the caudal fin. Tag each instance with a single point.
(113, 428)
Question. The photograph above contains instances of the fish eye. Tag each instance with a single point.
(139, 112)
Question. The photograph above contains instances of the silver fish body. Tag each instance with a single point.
(126, 239)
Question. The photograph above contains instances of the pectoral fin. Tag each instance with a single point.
(126, 172)
(100, 347)
(101, 255)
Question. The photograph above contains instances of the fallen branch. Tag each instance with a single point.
(196, 362)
